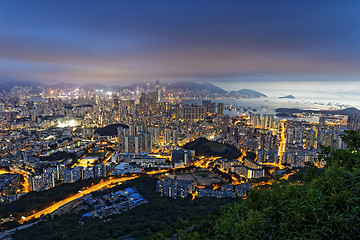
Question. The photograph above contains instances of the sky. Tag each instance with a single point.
(234, 44)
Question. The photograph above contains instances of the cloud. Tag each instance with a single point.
(119, 41)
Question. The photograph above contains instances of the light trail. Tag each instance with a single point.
(3, 171)
(273, 165)
(286, 176)
(157, 171)
(80, 194)
(271, 181)
(243, 155)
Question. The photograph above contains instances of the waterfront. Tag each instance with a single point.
(269, 105)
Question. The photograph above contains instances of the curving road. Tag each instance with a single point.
(91, 189)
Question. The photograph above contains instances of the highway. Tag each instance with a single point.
(55, 206)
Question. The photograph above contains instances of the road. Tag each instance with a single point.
(157, 171)
(91, 189)
(6, 235)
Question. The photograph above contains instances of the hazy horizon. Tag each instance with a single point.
(254, 44)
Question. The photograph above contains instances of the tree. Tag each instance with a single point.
(348, 158)
(324, 206)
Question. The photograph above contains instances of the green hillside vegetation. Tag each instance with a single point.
(248, 93)
(59, 156)
(207, 148)
(325, 206)
(35, 201)
(142, 222)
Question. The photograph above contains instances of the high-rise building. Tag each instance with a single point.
(35, 182)
(48, 179)
(188, 155)
(353, 122)
(156, 134)
(175, 137)
(193, 112)
(157, 89)
(72, 174)
(220, 108)
(322, 120)
(181, 158)
(131, 144)
(87, 172)
(99, 170)
(145, 141)
(148, 142)
(54, 171)
(60, 170)
(209, 106)
(167, 136)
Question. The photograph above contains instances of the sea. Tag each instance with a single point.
(269, 105)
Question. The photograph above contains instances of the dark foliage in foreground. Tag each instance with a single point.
(325, 206)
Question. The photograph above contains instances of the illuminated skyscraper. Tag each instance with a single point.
(157, 88)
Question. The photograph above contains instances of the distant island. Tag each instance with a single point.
(290, 112)
(246, 93)
(288, 96)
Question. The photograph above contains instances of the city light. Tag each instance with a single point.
(68, 123)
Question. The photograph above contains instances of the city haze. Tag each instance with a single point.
(234, 43)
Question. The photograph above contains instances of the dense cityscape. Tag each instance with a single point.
(124, 120)
(57, 136)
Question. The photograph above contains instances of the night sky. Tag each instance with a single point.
(226, 42)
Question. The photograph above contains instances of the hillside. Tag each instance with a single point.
(8, 85)
(141, 222)
(247, 93)
(63, 86)
(204, 147)
(196, 87)
(110, 130)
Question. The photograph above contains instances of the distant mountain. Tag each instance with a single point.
(349, 111)
(8, 85)
(133, 86)
(204, 147)
(196, 87)
(94, 86)
(192, 86)
(247, 93)
(63, 85)
(288, 96)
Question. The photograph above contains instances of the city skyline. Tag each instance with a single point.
(238, 43)
(179, 119)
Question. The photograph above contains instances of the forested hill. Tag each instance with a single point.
(110, 130)
(207, 148)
